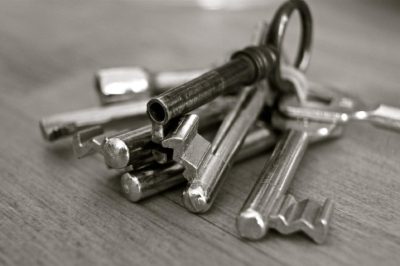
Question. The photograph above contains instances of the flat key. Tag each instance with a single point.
(63, 125)
(140, 184)
(340, 109)
(116, 85)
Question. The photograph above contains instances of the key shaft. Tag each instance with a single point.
(116, 85)
(246, 67)
(138, 185)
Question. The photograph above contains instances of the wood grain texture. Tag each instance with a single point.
(56, 210)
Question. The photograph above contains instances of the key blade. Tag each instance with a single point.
(290, 216)
(87, 141)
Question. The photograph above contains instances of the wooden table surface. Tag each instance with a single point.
(56, 210)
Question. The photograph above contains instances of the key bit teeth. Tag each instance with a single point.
(308, 216)
(189, 148)
(181, 137)
(87, 141)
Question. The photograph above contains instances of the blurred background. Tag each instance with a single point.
(55, 210)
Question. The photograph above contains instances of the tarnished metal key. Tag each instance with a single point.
(134, 147)
(141, 184)
(65, 124)
(115, 85)
(341, 108)
(245, 67)
(269, 205)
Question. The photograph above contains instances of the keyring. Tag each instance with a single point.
(276, 33)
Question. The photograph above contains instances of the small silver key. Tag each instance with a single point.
(141, 184)
(269, 205)
(115, 85)
(341, 108)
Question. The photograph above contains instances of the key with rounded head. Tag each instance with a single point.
(115, 85)
(141, 184)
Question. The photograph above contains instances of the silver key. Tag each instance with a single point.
(65, 124)
(134, 147)
(141, 184)
(136, 83)
(341, 109)
(269, 205)
(206, 164)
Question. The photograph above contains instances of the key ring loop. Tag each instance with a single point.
(276, 33)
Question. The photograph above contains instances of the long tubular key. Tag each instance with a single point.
(65, 124)
(206, 164)
(115, 85)
(138, 185)
(245, 67)
(268, 205)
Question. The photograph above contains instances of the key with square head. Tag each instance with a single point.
(330, 105)
(116, 85)
(245, 67)
(269, 205)
(140, 184)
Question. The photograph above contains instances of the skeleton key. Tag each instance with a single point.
(134, 147)
(269, 205)
(245, 67)
(115, 85)
(341, 109)
(206, 164)
(141, 184)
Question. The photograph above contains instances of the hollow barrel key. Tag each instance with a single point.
(245, 67)
(116, 85)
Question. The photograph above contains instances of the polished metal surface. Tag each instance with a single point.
(245, 67)
(341, 109)
(134, 147)
(141, 184)
(65, 124)
(115, 85)
(269, 205)
(206, 164)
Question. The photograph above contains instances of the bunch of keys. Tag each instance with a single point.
(182, 106)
